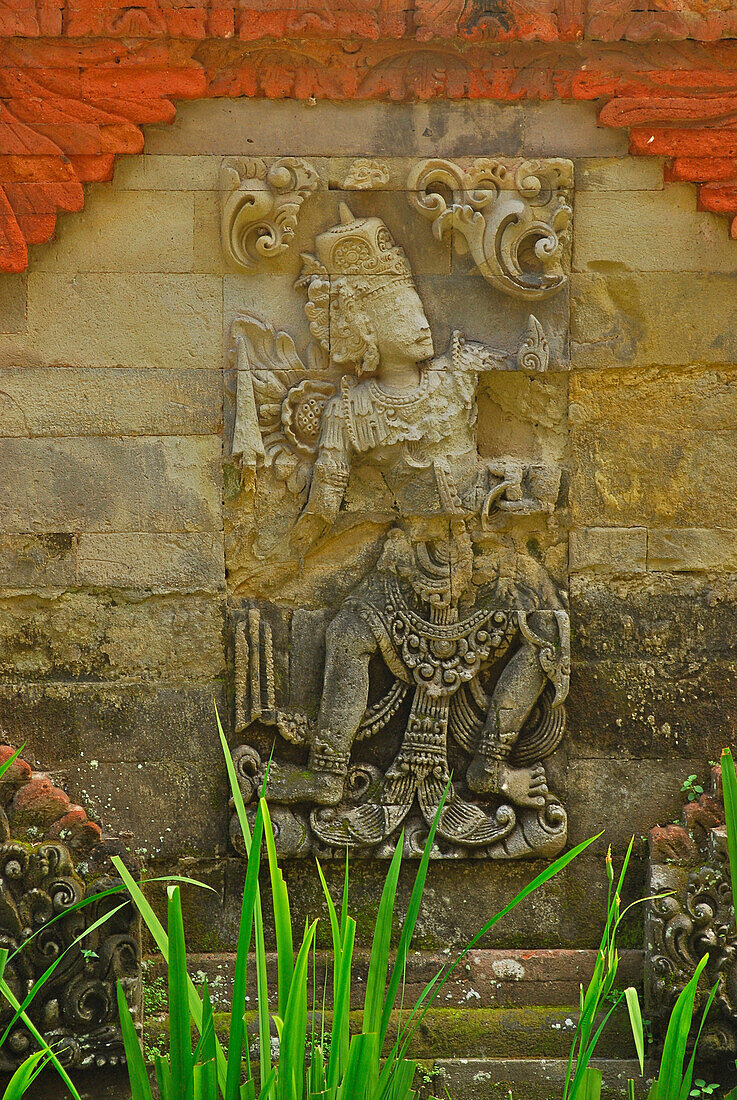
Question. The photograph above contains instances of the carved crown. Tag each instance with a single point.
(365, 247)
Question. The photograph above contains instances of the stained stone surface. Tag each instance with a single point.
(131, 542)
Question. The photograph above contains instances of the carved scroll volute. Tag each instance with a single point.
(511, 217)
(260, 205)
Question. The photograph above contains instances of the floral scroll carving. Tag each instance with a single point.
(511, 217)
(51, 858)
(260, 205)
(691, 915)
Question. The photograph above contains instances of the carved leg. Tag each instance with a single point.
(516, 693)
(349, 647)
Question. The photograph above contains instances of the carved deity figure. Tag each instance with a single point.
(448, 601)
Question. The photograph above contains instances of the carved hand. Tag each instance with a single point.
(307, 530)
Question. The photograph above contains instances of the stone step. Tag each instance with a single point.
(512, 1033)
(528, 1079)
(487, 978)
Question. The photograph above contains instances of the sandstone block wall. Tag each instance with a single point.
(113, 587)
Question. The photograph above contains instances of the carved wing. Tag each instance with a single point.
(279, 403)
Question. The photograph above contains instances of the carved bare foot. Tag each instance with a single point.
(290, 783)
(522, 786)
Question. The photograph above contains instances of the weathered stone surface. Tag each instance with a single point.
(618, 174)
(94, 636)
(656, 399)
(37, 561)
(99, 725)
(332, 129)
(676, 618)
(674, 711)
(64, 401)
(132, 231)
(149, 172)
(168, 484)
(695, 240)
(618, 319)
(646, 477)
(12, 303)
(599, 788)
(158, 563)
(169, 809)
(608, 550)
(110, 320)
(692, 550)
(557, 129)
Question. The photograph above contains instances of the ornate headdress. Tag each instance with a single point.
(355, 259)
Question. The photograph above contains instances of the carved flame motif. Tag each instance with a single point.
(512, 217)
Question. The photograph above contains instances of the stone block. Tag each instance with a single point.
(37, 561)
(619, 174)
(170, 809)
(12, 303)
(672, 710)
(557, 129)
(608, 550)
(232, 126)
(65, 724)
(132, 231)
(599, 790)
(108, 636)
(533, 1078)
(77, 401)
(634, 476)
(149, 172)
(657, 319)
(693, 241)
(110, 320)
(692, 549)
(685, 618)
(190, 562)
(670, 399)
(86, 484)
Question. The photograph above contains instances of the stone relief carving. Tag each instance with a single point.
(364, 174)
(511, 218)
(260, 205)
(689, 915)
(454, 647)
(51, 857)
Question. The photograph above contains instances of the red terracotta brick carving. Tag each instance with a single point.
(78, 78)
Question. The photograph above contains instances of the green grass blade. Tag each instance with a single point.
(9, 996)
(238, 1002)
(205, 1049)
(282, 916)
(362, 1056)
(180, 1042)
(262, 991)
(161, 940)
(340, 1038)
(137, 1075)
(410, 921)
(379, 961)
(688, 1078)
(163, 1077)
(638, 1030)
(590, 1085)
(670, 1077)
(25, 1075)
(729, 786)
(205, 1080)
(294, 1034)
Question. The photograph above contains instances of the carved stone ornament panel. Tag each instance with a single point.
(395, 523)
(52, 858)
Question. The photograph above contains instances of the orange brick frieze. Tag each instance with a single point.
(79, 78)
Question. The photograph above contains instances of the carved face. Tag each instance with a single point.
(400, 325)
